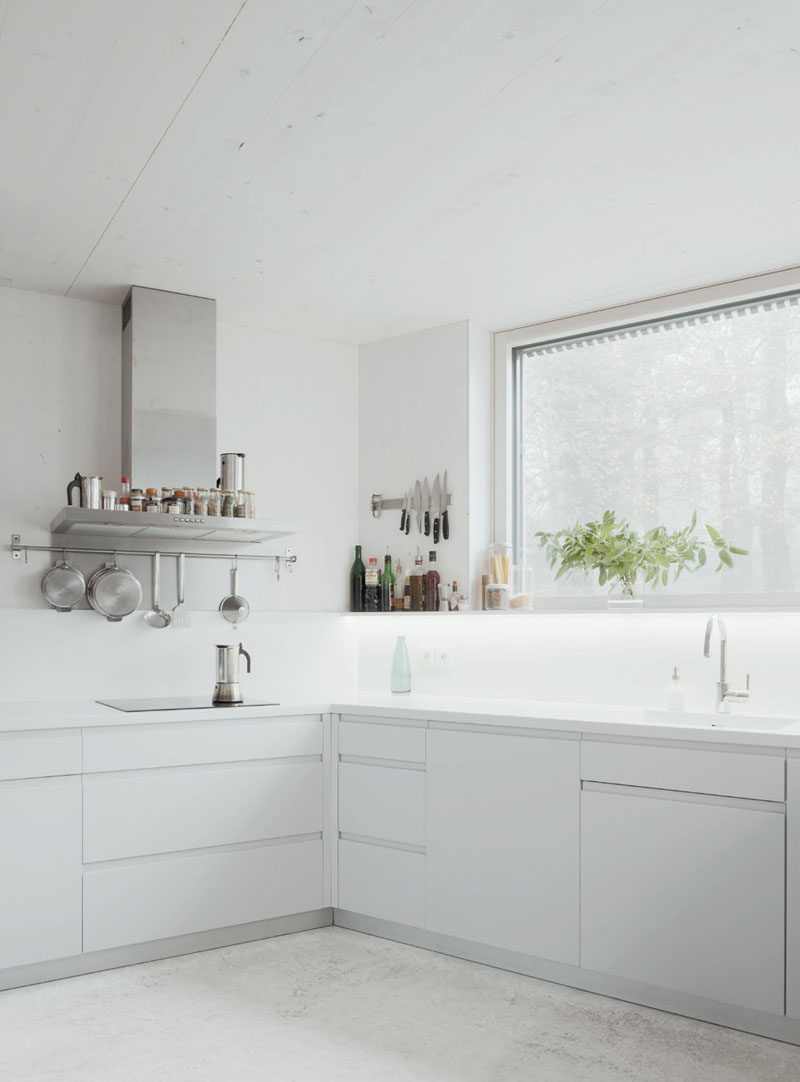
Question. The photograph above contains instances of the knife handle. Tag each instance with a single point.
(445, 525)
(408, 522)
(427, 523)
(403, 521)
(436, 530)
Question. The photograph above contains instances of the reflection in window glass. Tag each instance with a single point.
(657, 420)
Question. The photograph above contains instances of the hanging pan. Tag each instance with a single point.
(63, 585)
(113, 591)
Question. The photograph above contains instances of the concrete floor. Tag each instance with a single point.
(332, 1004)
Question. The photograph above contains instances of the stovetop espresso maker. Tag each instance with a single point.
(228, 689)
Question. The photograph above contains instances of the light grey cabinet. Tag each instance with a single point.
(793, 888)
(684, 892)
(503, 841)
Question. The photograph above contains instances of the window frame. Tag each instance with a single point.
(505, 469)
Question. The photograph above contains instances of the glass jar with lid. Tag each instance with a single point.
(152, 502)
(228, 503)
(175, 505)
(240, 504)
(167, 496)
(251, 505)
(214, 506)
(201, 501)
(137, 499)
(188, 501)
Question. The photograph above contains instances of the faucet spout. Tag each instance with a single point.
(724, 694)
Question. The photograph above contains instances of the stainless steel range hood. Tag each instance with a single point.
(169, 389)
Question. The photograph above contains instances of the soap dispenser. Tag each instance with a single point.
(675, 693)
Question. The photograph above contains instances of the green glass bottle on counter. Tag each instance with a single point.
(357, 583)
(387, 585)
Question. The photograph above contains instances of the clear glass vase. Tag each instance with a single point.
(624, 596)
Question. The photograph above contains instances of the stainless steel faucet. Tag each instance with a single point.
(724, 694)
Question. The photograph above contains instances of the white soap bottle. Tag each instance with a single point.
(675, 693)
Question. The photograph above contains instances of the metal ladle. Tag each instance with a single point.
(157, 617)
(234, 607)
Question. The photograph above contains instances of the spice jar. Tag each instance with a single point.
(496, 596)
(251, 505)
(152, 502)
(228, 503)
(188, 501)
(137, 500)
(175, 503)
(109, 499)
(201, 501)
(213, 502)
(240, 504)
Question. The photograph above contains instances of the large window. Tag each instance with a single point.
(657, 419)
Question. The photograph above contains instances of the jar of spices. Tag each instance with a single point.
(213, 502)
(137, 499)
(240, 504)
(251, 505)
(175, 505)
(152, 502)
(109, 499)
(201, 501)
(188, 501)
(227, 509)
(167, 496)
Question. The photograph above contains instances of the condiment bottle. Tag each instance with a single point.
(357, 583)
(125, 494)
(137, 500)
(417, 585)
(387, 584)
(399, 587)
(432, 580)
(372, 586)
(454, 596)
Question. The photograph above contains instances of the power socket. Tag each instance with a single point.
(444, 657)
(427, 657)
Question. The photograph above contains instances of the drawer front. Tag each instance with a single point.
(384, 883)
(148, 900)
(382, 802)
(40, 754)
(721, 773)
(128, 815)
(373, 740)
(136, 747)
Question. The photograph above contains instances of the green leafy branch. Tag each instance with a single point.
(616, 552)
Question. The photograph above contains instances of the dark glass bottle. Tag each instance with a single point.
(417, 582)
(432, 580)
(372, 586)
(387, 585)
(357, 583)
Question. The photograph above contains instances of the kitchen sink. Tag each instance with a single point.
(732, 722)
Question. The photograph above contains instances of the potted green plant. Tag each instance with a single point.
(622, 557)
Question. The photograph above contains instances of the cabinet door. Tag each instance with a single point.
(793, 889)
(503, 837)
(685, 893)
(40, 857)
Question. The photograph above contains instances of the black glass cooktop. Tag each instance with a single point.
(135, 706)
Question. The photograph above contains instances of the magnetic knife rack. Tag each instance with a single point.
(20, 550)
(379, 504)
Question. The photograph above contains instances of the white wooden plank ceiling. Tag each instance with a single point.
(353, 170)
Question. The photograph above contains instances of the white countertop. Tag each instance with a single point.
(778, 731)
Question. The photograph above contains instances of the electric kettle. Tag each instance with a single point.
(228, 689)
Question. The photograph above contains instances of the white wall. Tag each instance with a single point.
(289, 403)
(600, 657)
(419, 406)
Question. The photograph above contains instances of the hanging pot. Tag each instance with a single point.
(63, 585)
(113, 591)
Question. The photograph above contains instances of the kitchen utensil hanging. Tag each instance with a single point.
(63, 585)
(113, 591)
(156, 616)
(181, 616)
(235, 608)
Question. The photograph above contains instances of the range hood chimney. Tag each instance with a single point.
(169, 389)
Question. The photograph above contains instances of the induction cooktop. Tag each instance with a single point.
(135, 706)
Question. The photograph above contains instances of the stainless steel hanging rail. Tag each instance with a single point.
(18, 549)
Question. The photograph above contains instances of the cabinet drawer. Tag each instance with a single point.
(40, 754)
(721, 773)
(147, 900)
(128, 815)
(136, 747)
(373, 740)
(384, 883)
(382, 802)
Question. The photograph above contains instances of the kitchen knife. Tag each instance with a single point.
(408, 511)
(426, 503)
(403, 514)
(418, 505)
(445, 520)
(435, 498)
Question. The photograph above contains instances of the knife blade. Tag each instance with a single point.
(426, 503)
(435, 499)
(404, 513)
(445, 519)
(408, 511)
(418, 505)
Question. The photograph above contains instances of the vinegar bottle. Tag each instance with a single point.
(432, 580)
(357, 583)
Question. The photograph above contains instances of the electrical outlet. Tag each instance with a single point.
(444, 657)
(427, 656)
